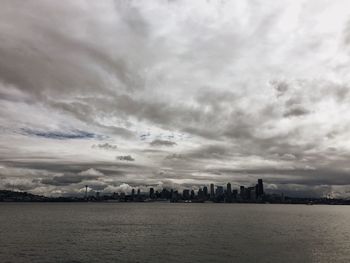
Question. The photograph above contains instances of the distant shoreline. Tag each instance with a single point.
(7, 196)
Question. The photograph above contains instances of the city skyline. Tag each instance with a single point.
(170, 94)
(212, 194)
(214, 191)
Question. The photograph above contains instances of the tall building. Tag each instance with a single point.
(115, 196)
(219, 191)
(242, 192)
(234, 193)
(164, 194)
(250, 193)
(212, 193)
(200, 194)
(151, 193)
(228, 189)
(122, 197)
(260, 188)
(186, 194)
(228, 196)
(219, 194)
(205, 191)
(174, 196)
(192, 194)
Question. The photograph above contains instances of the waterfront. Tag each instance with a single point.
(170, 232)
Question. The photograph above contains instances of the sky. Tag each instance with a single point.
(138, 94)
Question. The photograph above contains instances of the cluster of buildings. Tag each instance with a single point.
(213, 193)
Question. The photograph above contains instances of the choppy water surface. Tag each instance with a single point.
(164, 232)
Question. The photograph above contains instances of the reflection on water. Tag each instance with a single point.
(165, 232)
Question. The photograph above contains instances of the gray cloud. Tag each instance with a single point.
(105, 146)
(162, 143)
(125, 158)
(296, 112)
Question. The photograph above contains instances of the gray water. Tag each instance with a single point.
(165, 232)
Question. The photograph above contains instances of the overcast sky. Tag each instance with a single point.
(121, 94)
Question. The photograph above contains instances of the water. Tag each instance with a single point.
(164, 232)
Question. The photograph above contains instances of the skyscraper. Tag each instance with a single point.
(228, 189)
(242, 192)
(219, 194)
(186, 194)
(228, 197)
(234, 193)
(219, 191)
(192, 194)
(205, 191)
(260, 188)
(250, 193)
(151, 193)
(212, 193)
(200, 194)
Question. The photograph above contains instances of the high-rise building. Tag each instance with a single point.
(122, 197)
(205, 191)
(186, 194)
(242, 192)
(151, 193)
(192, 194)
(228, 196)
(228, 189)
(250, 193)
(260, 188)
(234, 194)
(219, 191)
(115, 195)
(200, 194)
(174, 196)
(219, 194)
(212, 194)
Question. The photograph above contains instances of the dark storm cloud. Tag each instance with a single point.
(162, 143)
(125, 158)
